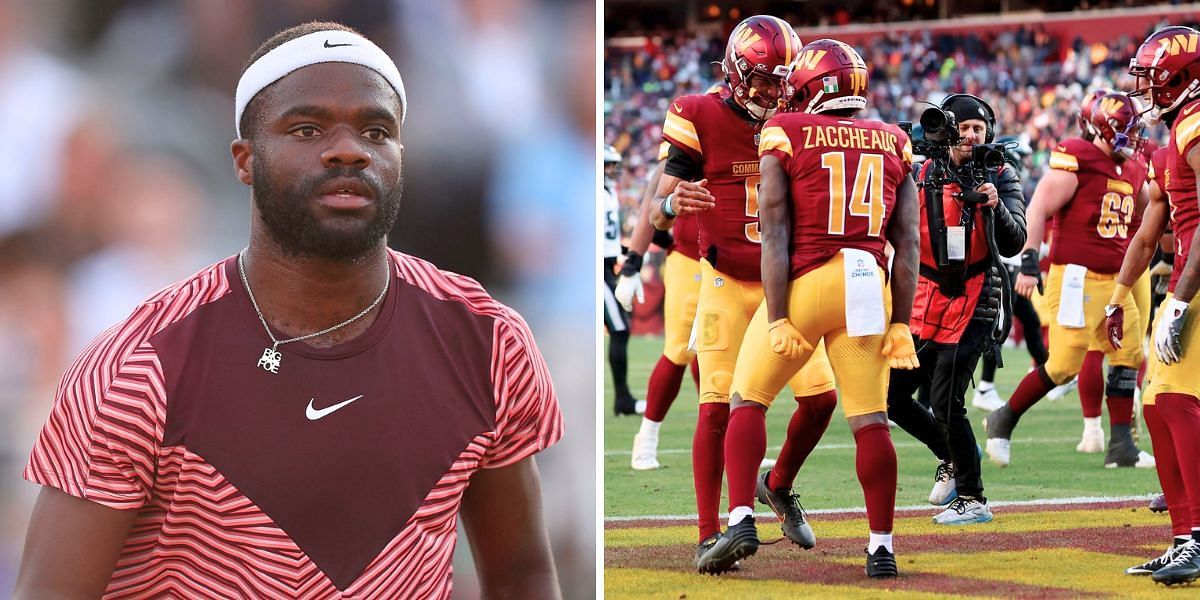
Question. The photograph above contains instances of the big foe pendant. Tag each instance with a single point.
(270, 360)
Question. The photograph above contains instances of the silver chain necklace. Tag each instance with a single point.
(271, 357)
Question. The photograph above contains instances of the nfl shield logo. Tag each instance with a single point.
(830, 83)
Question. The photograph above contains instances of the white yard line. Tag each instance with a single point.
(918, 507)
(1016, 442)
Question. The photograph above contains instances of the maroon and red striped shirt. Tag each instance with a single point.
(249, 483)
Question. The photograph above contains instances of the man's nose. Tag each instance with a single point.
(345, 149)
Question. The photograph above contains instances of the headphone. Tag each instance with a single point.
(990, 134)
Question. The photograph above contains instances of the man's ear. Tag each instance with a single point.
(243, 160)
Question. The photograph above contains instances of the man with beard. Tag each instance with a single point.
(302, 419)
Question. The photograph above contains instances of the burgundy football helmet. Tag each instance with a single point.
(1085, 111)
(1167, 68)
(829, 75)
(761, 49)
(1116, 118)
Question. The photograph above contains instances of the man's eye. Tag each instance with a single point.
(305, 131)
(377, 134)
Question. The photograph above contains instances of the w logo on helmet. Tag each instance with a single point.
(744, 38)
(1178, 43)
(809, 59)
(1110, 105)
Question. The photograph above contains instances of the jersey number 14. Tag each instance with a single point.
(866, 196)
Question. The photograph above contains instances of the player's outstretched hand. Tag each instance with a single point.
(692, 197)
(786, 341)
(898, 347)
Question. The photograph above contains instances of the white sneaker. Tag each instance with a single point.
(944, 489)
(999, 450)
(1145, 461)
(645, 452)
(987, 400)
(964, 511)
(1093, 437)
(1059, 392)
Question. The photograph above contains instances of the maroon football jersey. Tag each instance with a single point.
(726, 146)
(844, 173)
(1181, 185)
(1094, 228)
(1158, 167)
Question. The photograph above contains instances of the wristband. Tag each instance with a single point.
(1120, 293)
(633, 264)
(666, 206)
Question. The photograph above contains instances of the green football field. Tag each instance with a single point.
(1044, 465)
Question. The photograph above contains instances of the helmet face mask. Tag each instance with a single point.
(758, 59)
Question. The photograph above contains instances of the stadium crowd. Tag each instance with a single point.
(1035, 79)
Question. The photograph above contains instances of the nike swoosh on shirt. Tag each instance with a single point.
(314, 414)
(678, 108)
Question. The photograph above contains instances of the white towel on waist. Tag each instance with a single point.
(865, 314)
(1070, 302)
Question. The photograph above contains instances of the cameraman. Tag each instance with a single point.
(957, 313)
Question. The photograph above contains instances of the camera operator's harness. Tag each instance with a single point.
(952, 272)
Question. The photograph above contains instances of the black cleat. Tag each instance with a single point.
(736, 543)
(881, 564)
(1123, 451)
(1184, 568)
(1158, 503)
(703, 546)
(1000, 423)
(625, 404)
(1155, 563)
(791, 515)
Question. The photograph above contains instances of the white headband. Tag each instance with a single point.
(319, 47)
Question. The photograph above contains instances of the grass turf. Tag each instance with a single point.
(1044, 461)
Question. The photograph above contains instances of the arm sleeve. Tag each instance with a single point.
(103, 435)
(681, 164)
(1009, 213)
(528, 419)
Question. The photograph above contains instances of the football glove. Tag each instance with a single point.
(1030, 267)
(1170, 329)
(898, 347)
(786, 341)
(1114, 323)
(629, 287)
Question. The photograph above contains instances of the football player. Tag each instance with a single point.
(712, 171)
(681, 281)
(616, 319)
(836, 189)
(1093, 190)
(1167, 68)
(1159, 211)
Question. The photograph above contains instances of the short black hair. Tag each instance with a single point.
(250, 114)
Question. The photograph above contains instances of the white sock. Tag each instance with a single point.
(985, 386)
(738, 513)
(877, 540)
(649, 427)
(1091, 423)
